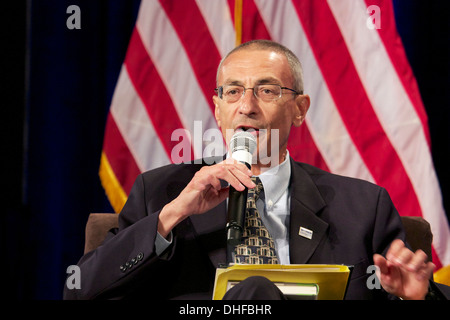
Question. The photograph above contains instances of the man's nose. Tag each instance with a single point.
(248, 104)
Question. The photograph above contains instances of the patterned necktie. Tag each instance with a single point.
(257, 245)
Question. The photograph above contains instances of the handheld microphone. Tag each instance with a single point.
(242, 147)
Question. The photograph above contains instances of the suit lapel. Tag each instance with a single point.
(306, 202)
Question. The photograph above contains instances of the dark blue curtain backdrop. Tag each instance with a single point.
(55, 134)
(70, 79)
(72, 75)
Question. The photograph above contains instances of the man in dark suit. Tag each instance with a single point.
(171, 234)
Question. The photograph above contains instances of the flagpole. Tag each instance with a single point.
(238, 21)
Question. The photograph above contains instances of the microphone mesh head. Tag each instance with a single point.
(243, 141)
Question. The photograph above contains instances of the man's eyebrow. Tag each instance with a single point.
(268, 80)
(234, 83)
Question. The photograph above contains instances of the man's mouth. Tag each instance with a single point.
(252, 130)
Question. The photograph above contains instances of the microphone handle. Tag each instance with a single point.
(237, 203)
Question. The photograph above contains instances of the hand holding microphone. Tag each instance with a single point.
(205, 190)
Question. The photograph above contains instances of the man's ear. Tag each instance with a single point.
(302, 103)
(216, 110)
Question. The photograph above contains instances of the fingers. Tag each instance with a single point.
(381, 263)
(244, 179)
(233, 172)
(416, 260)
(401, 256)
(427, 272)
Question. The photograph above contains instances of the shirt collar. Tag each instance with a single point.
(276, 180)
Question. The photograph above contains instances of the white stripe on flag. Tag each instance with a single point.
(218, 19)
(135, 126)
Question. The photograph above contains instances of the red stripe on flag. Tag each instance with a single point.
(153, 93)
(253, 26)
(435, 258)
(352, 102)
(199, 45)
(119, 156)
(396, 52)
(231, 5)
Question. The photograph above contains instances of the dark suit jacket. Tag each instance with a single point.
(351, 220)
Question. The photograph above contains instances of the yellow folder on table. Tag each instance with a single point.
(330, 280)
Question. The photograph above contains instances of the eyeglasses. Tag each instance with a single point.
(264, 92)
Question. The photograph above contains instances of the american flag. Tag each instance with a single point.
(366, 119)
